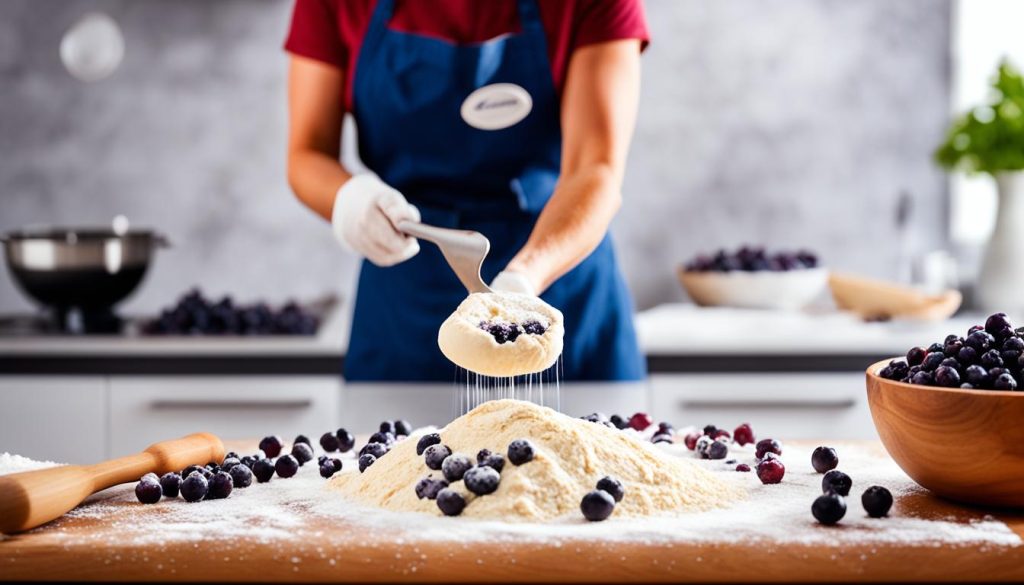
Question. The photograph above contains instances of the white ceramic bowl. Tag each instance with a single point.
(791, 289)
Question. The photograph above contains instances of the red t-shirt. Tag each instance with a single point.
(332, 30)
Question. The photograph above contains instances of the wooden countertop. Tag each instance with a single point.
(326, 550)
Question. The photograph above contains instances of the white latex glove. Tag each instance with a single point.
(365, 213)
(509, 281)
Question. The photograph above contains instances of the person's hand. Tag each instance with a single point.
(365, 214)
(512, 281)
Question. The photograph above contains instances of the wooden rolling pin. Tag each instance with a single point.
(32, 498)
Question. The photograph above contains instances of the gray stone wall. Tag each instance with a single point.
(788, 123)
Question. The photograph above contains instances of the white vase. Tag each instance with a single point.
(1001, 281)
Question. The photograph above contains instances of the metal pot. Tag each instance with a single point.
(88, 269)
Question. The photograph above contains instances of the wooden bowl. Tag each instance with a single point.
(788, 290)
(965, 445)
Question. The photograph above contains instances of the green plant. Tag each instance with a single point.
(989, 138)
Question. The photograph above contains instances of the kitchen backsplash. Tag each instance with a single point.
(791, 123)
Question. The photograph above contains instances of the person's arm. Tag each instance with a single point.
(599, 106)
(362, 210)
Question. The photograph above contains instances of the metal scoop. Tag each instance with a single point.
(464, 250)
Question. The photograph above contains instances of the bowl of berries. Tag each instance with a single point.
(752, 278)
(950, 414)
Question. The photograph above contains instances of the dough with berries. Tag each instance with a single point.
(502, 334)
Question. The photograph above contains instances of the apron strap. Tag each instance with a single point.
(378, 24)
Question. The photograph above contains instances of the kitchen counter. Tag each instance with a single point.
(676, 338)
(100, 546)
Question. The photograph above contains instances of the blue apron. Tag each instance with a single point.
(408, 91)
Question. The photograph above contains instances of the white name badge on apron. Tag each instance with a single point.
(496, 106)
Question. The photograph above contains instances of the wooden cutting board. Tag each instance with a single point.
(323, 550)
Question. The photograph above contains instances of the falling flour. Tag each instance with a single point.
(571, 456)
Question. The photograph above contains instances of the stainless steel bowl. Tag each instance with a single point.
(88, 269)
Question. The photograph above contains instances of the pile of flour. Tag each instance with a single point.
(571, 456)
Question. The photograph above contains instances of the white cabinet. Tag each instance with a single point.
(55, 418)
(785, 405)
(147, 409)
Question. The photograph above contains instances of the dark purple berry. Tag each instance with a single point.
(194, 487)
(455, 466)
(1014, 344)
(435, 455)
(426, 441)
(770, 471)
(767, 446)
(402, 428)
(743, 467)
(829, 508)
(220, 486)
(935, 348)
(824, 459)
(923, 379)
(662, 439)
(302, 439)
(482, 480)
(387, 426)
(613, 486)
(302, 452)
(241, 476)
(932, 361)
(876, 501)
(718, 450)
(953, 349)
(229, 462)
(148, 491)
(619, 422)
(1005, 382)
(428, 487)
(991, 359)
(997, 322)
(520, 451)
(346, 441)
(915, 356)
(326, 470)
(597, 505)
(534, 327)
(967, 355)
(710, 431)
(450, 502)
(980, 341)
(249, 460)
(329, 442)
(263, 469)
(365, 461)
(947, 377)
(495, 461)
(170, 484)
(271, 446)
(286, 466)
(836, 481)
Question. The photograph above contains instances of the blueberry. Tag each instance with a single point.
(743, 435)
(229, 462)
(402, 428)
(836, 481)
(455, 466)
(334, 461)
(1005, 382)
(824, 459)
(991, 359)
(662, 439)
(932, 361)
(329, 442)
(996, 323)
(495, 461)
(710, 430)
(450, 502)
(1014, 344)
(953, 349)
(923, 379)
(520, 451)
(951, 338)
(915, 356)
(770, 471)
(501, 332)
(220, 486)
(303, 439)
(170, 483)
(387, 426)
(231, 455)
(192, 469)
(302, 452)
(534, 327)
(980, 341)
(613, 486)
(435, 455)
(1010, 356)
(426, 441)
(212, 468)
(935, 348)
(378, 450)
(876, 501)
(718, 450)
(271, 446)
(286, 466)
(482, 480)
(829, 508)
(428, 487)
(703, 446)
(384, 437)
(346, 440)
(194, 487)
(975, 328)
(968, 355)
(619, 422)
(263, 470)
(947, 377)
(148, 491)
(950, 363)
(249, 460)
(597, 505)
(241, 476)
(326, 470)
(365, 461)
(767, 446)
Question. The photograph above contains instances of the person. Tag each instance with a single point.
(508, 117)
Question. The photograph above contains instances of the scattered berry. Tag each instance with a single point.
(743, 467)
(326, 470)
(382, 437)
(329, 442)
(229, 462)
(829, 508)
(378, 450)
(495, 461)
(435, 455)
(271, 446)
(640, 421)
(402, 428)
(619, 422)
(613, 486)
(836, 481)
(743, 435)
(690, 440)
(770, 471)
(249, 460)
(365, 461)
(302, 453)
(286, 466)
(429, 487)
(263, 470)
(194, 487)
(220, 486)
(302, 439)
(661, 438)
(876, 501)
(597, 505)
(426, 441)
(241, 476)
(482, 480)
(520, 451)
(703, 446)
(718, 450)
(824, 459)
(767, 446)
(170, 484)
(148, 491)
(346, 440)
(455, 466)
(450, 502)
